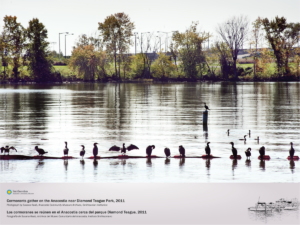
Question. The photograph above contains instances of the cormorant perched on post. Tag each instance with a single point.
(206, 107)
(257, 139)
(66, 150)
(95, 150)
(167, 152)
(82, 152)
(123, 149)
(292, 151)
(40, 151)
(149, 150)
(262, 152)
(234, 150)
(7, 148)
(207, 149)
(182, 151)
(248, 152)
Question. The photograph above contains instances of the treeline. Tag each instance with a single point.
(105, 55)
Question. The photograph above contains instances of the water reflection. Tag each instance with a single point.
(234, 164)
(181, 162)
(82, 162)
(248, 162)
(149, 162)
(40, 164)
(95, 163)
(167, 161)
(292, 165)
(207, 164)
(66, 163)
(262, 165)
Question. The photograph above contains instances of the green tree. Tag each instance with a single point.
(15, 36)
(116, 31)
(40, 65)
(162, 67)
(282, 36)
(190, 49)
(223, 53)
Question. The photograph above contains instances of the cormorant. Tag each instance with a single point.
(82, 152)
(249, 133)
(40, 151)
(182, 151)
(234, 151)
(66, 150)
(206, 107)
(262, 152)
(248, 152)
(227, 132)
(257, 139)
(95, 150)
(123, 149)
(292, 151)
(149, 150)
(167, 152)
(207, 149)
(7, 148)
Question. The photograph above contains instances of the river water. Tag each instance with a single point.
(164, 115)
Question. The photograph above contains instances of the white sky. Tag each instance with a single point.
(82, 17)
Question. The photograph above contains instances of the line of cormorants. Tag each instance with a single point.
(149, 150)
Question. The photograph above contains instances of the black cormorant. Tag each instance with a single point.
(262, 152)
(7, 148)
(234, 151)
(167, 152)
(248, 152)
(207, 149)
(149, 150)
(182, 151)
(82, 152)
(66, 150)
(249, 133)
(206, 107)
(40, 151)
(95, 150)
(227, 132)
(123, 149)
(292, 151)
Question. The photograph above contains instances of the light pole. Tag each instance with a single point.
(135, 33)
(66, 43)
(166, 44)
(59, 39)
(159, 43)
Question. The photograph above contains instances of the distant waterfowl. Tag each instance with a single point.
(167, 152)
(123, 149)
(257, 139)
(249, 133)
(40, 151)
(227, 132)
(234, 150)
(149, 150)
(95, 150)
(82, 152)
(248, 153)
(6, 149)
(66, 150)
(244, 138)
(207, 149)
(182, 151)
(262, 152)
(292, 151)
(206, 107)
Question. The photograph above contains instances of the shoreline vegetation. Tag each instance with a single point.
(25, 56)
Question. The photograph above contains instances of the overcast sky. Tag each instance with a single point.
(82, 17)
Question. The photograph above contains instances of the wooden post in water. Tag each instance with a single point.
(205, 117)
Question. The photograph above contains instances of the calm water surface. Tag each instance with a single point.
(166, 115)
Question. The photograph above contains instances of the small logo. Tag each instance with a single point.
(9, 192)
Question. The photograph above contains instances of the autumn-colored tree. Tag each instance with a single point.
(40, 65)
(223, 53)
(190, 49)
(282, 36)
(162, 67)
(14, 35)
(116, 31)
